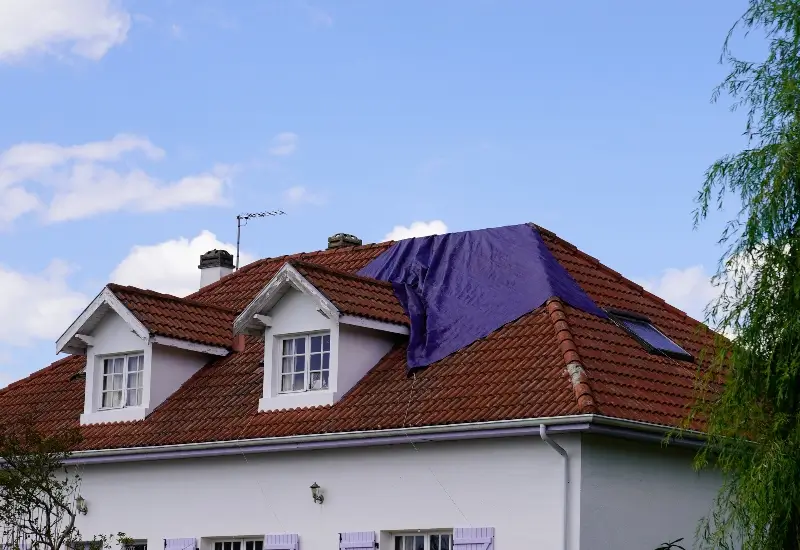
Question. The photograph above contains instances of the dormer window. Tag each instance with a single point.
(305, 362)
(123, 381)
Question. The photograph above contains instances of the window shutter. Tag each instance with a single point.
(363, 540)
(180, 544)
(282, 542)
(473, 538)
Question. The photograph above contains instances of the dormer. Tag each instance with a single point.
(323, 330)
(140, 346)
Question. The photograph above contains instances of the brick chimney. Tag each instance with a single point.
(341, 240)
(214, 265)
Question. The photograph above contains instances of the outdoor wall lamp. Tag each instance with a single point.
(80, 505)
(316, 494)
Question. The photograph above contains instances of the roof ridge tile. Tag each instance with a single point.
(353, 276)
(165, 296)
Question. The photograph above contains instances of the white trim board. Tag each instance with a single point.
(373, 324)
(189, 346)
(106, 298)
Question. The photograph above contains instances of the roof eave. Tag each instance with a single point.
(285, 279)
(582, 423)
(70, 342)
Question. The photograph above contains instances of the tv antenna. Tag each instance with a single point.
(245, 218)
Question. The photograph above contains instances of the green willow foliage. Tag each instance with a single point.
(754, 421)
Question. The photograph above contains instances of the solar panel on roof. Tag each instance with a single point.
(652, 338)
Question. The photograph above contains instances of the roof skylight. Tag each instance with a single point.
(652, 339)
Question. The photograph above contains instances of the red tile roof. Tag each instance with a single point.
(519, 371)
(355, 295)
(181, 318)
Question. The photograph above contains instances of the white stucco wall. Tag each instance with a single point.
(170, 368)
(635, 496)
(512, 484)
(360, 349)
(112, 336)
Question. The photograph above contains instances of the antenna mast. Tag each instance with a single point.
(245, 218)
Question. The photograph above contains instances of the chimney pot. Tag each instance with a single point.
(214, 265)
(341, 240)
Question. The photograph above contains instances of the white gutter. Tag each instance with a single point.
(560, 450)
(579, 423)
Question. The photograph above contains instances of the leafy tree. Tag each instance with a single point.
(38, 493)
(753, 422)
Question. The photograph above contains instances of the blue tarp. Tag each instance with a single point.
(459, 287)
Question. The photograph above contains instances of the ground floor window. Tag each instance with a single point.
(239, 544)
(136, 545)
(423, 541)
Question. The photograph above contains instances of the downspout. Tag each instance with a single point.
(560, 450)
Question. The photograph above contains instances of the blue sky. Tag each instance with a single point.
(133, 132)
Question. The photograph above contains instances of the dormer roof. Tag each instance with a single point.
(343, 296)
(554, 361)
(152, 314)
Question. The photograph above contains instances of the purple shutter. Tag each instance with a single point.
(282, 542)
(473, 538)
(363, 540)
(180, 544)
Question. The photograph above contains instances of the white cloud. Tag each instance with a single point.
(82, 28)
(170, 266)
(416, 229)
(300, 195)
(37, 306)
(690, 289)
(88, 179)
(284, 144)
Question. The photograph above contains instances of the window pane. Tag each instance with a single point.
(409, 543)
(287, 347)
(434, 542)
(325, 380)
(227, 546)
(316, 344)
(286, 365)
(314, 381)
(134, 398)
(326, 361)
(299, 363)
(133, 380)
(299, 345)
(445, 542)
(116, 381)
(217, 546)
(133, 363)
(237, 545)
(286, 382)
(119, 365)
(398, 543)
(107, 366)
(316, 361)
(248, 545)
(259, 545)
(299, 382)
(326, 342)
(419, 543)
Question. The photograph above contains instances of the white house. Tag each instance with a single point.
(208, 419)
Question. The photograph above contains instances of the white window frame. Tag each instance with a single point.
(426, 534)
(307, 361)
(242, 540)
(126, 372)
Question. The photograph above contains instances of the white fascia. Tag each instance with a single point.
(373, 324)
(72, 341)
(189, 346)
(251, 320)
